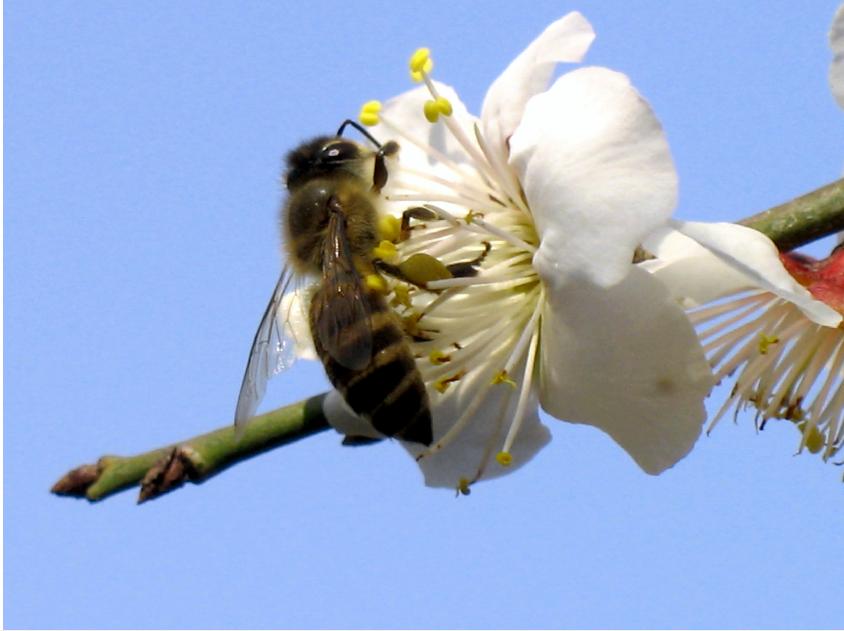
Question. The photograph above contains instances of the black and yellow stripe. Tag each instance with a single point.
(389, 391)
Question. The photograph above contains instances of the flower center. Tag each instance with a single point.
(475, 328)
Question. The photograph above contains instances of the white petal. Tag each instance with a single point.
(692, 274)
(597, 172)
(564, 41)
(755, 255)
(343, 419)
(474, 449)
(836, 43)
(626, 360)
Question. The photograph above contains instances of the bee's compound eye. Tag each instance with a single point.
(341, 151)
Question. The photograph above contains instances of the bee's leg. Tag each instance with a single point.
(394, 271)
(417, 212)
(464, 269)
(422, 268)
(418, 270)
(359, 441)
(424, 213)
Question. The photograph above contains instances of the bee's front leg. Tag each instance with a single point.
(421, 213)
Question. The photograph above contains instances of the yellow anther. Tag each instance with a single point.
(432, 112)
(463, 487)
(441, 385)
(419, 58)
(444, 106)
(814, 439)
(375, 283)
(504, 458)
(503, 377)
(401, 296)
(389, 228)
(385, 251)
(369, 113)
(766, 341)
(438, 359)
(421, 64)
(470, 216)
(435, 108)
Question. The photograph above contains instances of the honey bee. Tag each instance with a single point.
(329, 221)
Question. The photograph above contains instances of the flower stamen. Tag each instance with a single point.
(438, 358)
(369, 113)
(780, 355)
(503, 377)
(420, 64)
(504, 458)
(524, 394)
(441, 385)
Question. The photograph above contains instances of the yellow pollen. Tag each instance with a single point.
(375, 283)
(401, 296)
(503, 377)
(504, 458)
(432, 112)
(421, 64)
(470, 216)
(389, 228)
(766, 341)
(444, 106)
(435, 108)
(463, 487)
(421, 268)
(437, 358)
(441, 385)
(386, 251)
(369, 113)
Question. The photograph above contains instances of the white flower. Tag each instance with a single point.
(836, 43)
(562, 184)
(772, 322)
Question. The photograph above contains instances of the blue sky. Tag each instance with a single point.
(143, 151)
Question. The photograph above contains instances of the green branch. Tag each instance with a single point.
(195, 459)
(790, 225)
(803, 220)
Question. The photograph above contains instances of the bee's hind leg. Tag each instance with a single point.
(464, 269)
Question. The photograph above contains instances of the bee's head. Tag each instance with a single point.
(323, 156)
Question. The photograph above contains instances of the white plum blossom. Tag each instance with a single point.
(836, 43)
(770, 321)
(549, 192)
(547, 197)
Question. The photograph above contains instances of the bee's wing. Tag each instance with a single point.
(340, 308)
(273, 350)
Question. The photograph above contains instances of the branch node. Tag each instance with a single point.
(181, 464)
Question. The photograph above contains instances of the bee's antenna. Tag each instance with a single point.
(360, 128)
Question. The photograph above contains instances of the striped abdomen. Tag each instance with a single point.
(389, 390)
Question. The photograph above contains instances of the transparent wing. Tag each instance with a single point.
(273, 351)
(340, 307)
